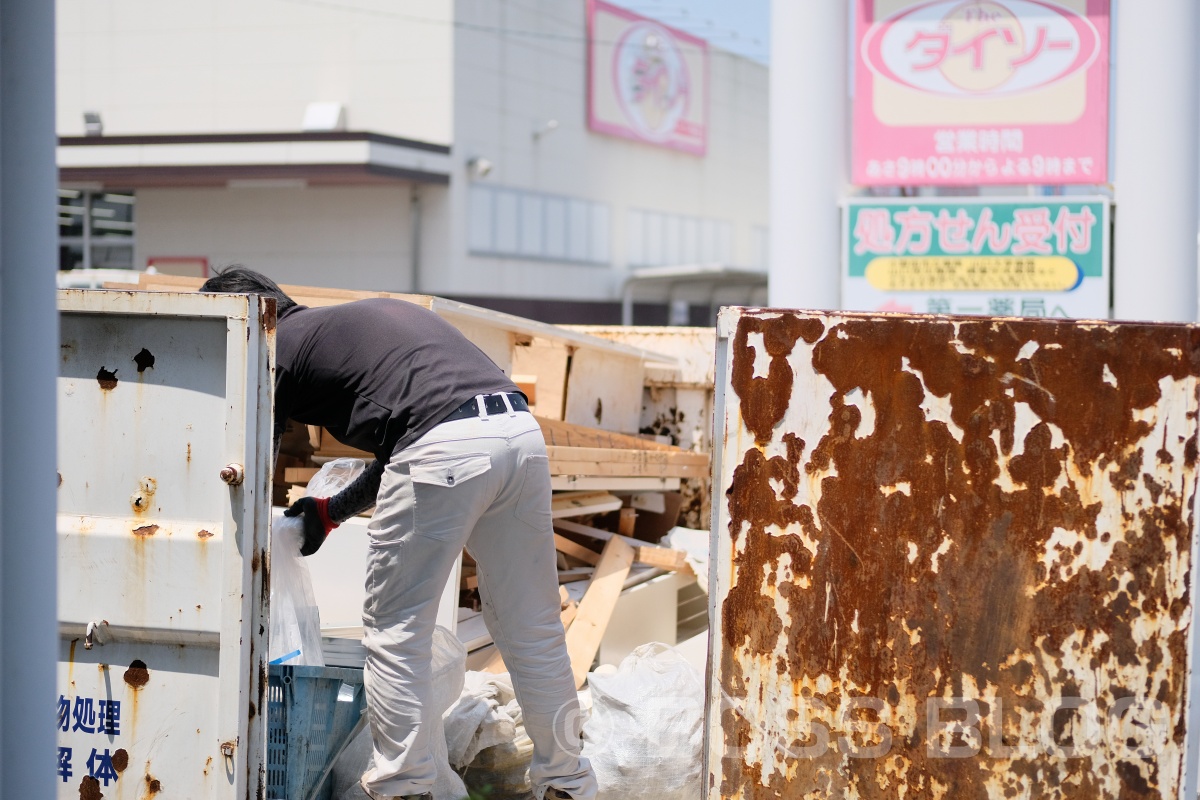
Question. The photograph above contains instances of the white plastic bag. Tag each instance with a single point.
(295, 620)
(449, 664)
(646, 730)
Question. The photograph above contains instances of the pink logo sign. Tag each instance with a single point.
(646, 81)
(966, 49)
(952, 92)
(651, 80)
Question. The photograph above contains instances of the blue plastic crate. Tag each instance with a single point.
(306, 725)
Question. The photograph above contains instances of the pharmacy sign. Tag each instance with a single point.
(1032, 257)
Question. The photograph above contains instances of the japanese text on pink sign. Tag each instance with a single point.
(981, 92)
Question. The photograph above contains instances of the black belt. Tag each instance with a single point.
(492, 403)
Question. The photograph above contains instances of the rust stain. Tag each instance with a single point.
(189, 452)
(983, 516)
(89, 789)
(145, 530)
(106, 379)
(203, 534)
(765, 398)
(137, 675)
(143, 497)
(120, 760)
(153, 786)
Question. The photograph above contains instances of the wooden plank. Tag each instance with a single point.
(604, 389)
(596, 607)
(643, 553)
(615, 455)
(565, 434)
(572, 575)
(590, 461)
(577, 504)
(615, 483)
(299, 474)
(564, 545)
(626, 521)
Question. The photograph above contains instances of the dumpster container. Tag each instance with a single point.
(953, 558)
(164, 452)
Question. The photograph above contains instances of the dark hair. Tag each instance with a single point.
(236, 279)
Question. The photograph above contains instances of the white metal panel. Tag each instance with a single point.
(953, 557)
(163, 565)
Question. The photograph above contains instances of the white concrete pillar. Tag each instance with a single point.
(28, 371)
(809, 147)
(1157, 159)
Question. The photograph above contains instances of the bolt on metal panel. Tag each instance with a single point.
(952, 558)
(163, 560)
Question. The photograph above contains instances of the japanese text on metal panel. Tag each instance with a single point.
(95, 716)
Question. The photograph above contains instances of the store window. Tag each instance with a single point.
(95, 229)
(656, 238)
(523, 224)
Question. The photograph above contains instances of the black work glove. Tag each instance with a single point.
(314, 512)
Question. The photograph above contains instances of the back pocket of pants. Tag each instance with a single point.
(446, 492)
(533, 506)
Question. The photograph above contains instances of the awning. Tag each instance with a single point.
(314, 158)
(707, 278)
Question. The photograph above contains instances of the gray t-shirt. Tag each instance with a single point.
(377, 374)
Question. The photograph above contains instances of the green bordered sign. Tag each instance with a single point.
(1029, 257)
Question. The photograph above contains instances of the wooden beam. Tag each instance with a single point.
(572, 575)
(564, 545)
(616, 483)
(566, 434)
(299, 474)
(596, 607)
(596, 461)
(577, 504)
(643, 552)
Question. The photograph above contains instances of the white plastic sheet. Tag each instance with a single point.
(646, 730)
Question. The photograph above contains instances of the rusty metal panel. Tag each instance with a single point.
(164, 448)
(952, 558)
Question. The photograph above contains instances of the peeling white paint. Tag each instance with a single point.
(1108, 376)
(935, 408)
(912, 552)
(866, 407)
(762, 359)
(1027, 350)
(901, 487)
(943, 548)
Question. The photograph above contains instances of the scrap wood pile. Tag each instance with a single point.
(616, 494)
(600, 537)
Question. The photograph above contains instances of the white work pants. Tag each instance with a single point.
(482, 483)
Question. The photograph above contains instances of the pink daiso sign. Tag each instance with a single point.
(951, 93)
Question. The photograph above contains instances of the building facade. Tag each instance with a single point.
(450, 148)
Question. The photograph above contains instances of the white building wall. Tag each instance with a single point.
(352, 237)
(220, 66)
(521, 63)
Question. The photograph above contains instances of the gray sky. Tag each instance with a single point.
(741, 26)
